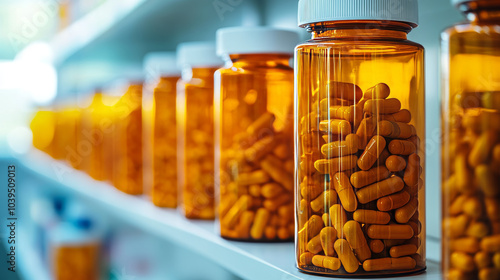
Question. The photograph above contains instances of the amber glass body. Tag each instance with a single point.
(254, 134)
(195, 115)
(471, 144)
(164, 143)
(358, 148)
(127, 141)
(75, 262)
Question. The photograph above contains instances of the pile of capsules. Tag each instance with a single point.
(359, 181)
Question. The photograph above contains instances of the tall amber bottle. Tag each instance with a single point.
(471, 143)
(360, 129)
(195, 113)
(254, 133)
(161, 126)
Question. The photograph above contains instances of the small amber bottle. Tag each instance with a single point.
(254, 133)
(471, 143)
(359, 91)
(195, 114)
(161, 127)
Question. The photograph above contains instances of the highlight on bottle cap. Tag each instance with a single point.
(314, 11)
(197, 54)
(161, 64)
(255, 40)
(458, 2)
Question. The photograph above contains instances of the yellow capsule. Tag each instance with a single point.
(246, 220)
(345, 191)
(464, 176)
(496, 260)
(334, 165)
(377, 190)
(403, 116)
(253, 178)
(477, 229)
(382, 106)
(396, 129)
(403, 250)
(492, 206)
(233, 215)
(491, 100)
(328, 235)
(363, 178)
(455, 226)
(487, 180)
(456, 206)
(366, 130)
(306, 258)
(311, 228)
(341, 148)
(389, 264)
(259, 224)
(482, 259)
(346, 256)
(395, 163)
(377, 246)
(491, 243)
(403, 214)
(335, 126)
(393, 201)
(412, 172)
(489, 274)
(473, 207)
(314, 245)
(357, 240)
(379, 91)
(338, 218)
(390, 231)
(371, 217)
(371, 153)
(462, 261)
(481, 151)
(326, 262)
(274, 167)
(263, 124)
(345, 91)
(271, 190)
(324, 200)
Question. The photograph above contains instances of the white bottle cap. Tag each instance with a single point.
(458, 2)
(197, 54)
(159, 64)
(254, 40)
(313, 11)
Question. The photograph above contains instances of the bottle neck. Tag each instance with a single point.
(260, 60)
(202, 73)
(482, 12)
(360, 30)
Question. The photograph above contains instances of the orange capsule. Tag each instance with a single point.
(260, 221)
(346, 255)
(482, 259)
(335, 126)
(412, 172)
(357, 240)
(363, 178)
(334, 165)
(455, 226)
(371, 153)
(389, 264)
(341, 148)
(366, 130)
(395, 163)
(401, 147)
(314, 245)
(328, 235)
(371, 217)
(382, 106)
(263, 123)
(481, 151)
(491, 243)
(473, 207)
(345, 191)
(326, 262)
(271, 190)
(492, 206)
(324, 200)
(487, 180)
(462, 261)
(377, 246)
(345, 91)
(396, 129)
(306, 258)
(489, 273)
(393, 201)
(403, 250)
(377, 190)
(338, 218)
(274, 167)
(477, 229)
(403, 214)
(379, 91)
(390, 231)
(403, 116)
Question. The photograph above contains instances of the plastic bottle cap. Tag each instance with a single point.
(458, 2)
(161, 64)
(253, 40)
(198, 54)
(312, 11)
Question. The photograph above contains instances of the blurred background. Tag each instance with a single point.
(61, 51)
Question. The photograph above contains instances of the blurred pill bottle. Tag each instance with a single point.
(360, 127)
(42, 128)
(471, 143)
(160, 127)
(254, 133)
(195, 124)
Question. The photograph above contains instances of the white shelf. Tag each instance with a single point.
(247, 260)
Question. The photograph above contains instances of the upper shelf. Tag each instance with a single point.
(248, 260)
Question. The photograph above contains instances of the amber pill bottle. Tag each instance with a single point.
(195, 124)
(359, 138)
(254, 133)
(471, 143)
(161, 127)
